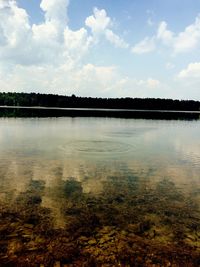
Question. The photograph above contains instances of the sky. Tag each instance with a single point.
(101, 48)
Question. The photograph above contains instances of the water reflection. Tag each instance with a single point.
(92, 196)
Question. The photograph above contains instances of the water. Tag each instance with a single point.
(97, 191)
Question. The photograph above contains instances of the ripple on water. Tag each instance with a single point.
(130, 132)
(96, 146)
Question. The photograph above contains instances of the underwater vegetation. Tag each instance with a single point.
(127, 224)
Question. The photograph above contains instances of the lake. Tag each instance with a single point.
(99, 192)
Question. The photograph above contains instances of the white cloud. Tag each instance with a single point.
(14, 24)
(3, 3)
(100, 25)
(131, 87)
(51, 58)
(55, 10)
(192, 71)
(50, 42)
(164, 34)
(115, 39)
(98, 22)
(145, 46)
(187, 82)
(84, 80)
(182, 42)
(189, 38)
(76, 44)
(149, 83)
(47, 31)
(152, 83)
(99, 77)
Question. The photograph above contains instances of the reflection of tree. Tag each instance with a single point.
(34, 112)
(124, 198)
(32, 195)
(154, 211)
(72, 188)
(131, 215)
(14, 179)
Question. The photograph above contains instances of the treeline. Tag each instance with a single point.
(50, 100)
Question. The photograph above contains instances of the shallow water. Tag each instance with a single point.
(99, 192)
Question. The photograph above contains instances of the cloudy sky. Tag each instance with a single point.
(103, 48)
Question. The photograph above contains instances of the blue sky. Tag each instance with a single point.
(101, 48)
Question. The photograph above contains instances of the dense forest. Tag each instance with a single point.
(50, 100)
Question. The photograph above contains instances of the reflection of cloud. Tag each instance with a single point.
(190, 151)
(55, 206)
(185, 178)
(158, 150)
(16, 178)
(92, 173)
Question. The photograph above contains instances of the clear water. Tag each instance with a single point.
(85, 183)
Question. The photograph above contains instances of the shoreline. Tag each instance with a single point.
(102, 109)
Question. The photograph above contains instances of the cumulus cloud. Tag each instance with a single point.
(55, 10)
(192, 71)
(76, 44)
(182, 42)
(132, 87)
(145, 46)
(65, 79)
(164, 34)
(187, 82)
(152, 83)
(189, 38)
(98, 22)
(50, 57)
(100, 25)
(14, 28)
(115, 39)
(50, 42)
(149, 83)
(84, 80)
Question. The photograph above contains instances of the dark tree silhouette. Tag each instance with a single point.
(50, 100)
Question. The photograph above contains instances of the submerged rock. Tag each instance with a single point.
(34, 200)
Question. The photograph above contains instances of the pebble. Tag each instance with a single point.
(92, 242)
(57, 264)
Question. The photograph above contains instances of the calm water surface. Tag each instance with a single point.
(99, 191)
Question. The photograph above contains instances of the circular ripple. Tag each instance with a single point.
(96, 146)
